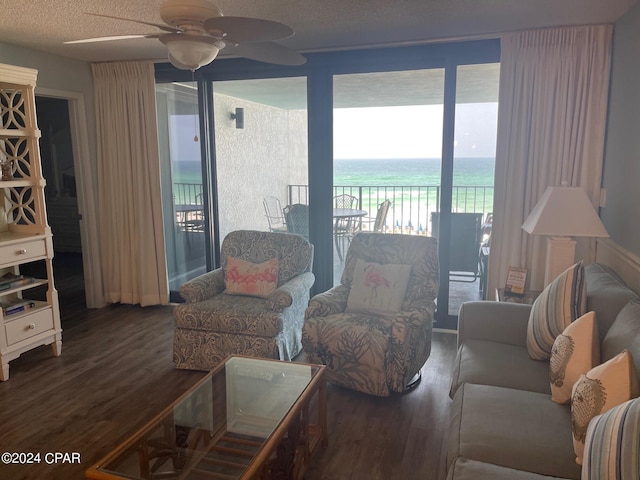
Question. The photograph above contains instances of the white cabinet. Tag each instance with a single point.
(25, 236)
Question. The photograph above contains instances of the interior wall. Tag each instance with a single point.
(622, 149)
(57, 73)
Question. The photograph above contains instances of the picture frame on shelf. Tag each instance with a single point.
(516, 280)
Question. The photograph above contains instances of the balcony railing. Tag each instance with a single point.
(411, 206)
(187, 193)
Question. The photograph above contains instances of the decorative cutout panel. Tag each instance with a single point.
(21, 206)
(12, 107)
(16, 150)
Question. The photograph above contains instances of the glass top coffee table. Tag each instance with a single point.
(247, 418)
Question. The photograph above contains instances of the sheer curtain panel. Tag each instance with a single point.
(551, 127)
(132, 241)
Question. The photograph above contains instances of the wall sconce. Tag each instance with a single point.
(238, 117)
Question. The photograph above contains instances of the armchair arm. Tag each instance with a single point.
(283, 296)
(410, 345)
(328, 303)
(501, 322)
(203, 287)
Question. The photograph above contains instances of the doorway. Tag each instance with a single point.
(61, 197)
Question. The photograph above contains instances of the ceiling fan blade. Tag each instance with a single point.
(161, 26)
(244, 29)
(113, 37)
(267, 52)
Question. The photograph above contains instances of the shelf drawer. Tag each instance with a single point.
(28, 325)
(22, 252)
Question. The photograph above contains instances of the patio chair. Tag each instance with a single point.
(465, 241)
(297, 219)
(345, 227)
(381, 216)
(273, 212)
(373, 331)
(252, 305)
(344, 200)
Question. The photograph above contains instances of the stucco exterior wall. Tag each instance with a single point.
(261, 159)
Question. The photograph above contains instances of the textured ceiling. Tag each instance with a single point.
(319, 24)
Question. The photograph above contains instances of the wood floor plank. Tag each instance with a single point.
(116, 373)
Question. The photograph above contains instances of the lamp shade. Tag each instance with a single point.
(564, 212)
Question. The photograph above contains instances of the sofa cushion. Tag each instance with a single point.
(599, 390)
(607, 294)
(624, 334)
(575, 352)
(465, 469)
(512, 428)
(491, 363)
(560, 303)
(612, 449)
(223, 313)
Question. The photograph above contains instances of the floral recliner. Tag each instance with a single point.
(376, 353)
(212, 324)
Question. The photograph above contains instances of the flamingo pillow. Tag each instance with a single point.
(378, 288)
(253, 279)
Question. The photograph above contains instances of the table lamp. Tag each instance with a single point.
(561, 213)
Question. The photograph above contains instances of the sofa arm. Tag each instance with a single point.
(283, 296)
(501, 322)
(331, 302)
(203, 287)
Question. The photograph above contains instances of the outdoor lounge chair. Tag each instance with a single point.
(465, 242)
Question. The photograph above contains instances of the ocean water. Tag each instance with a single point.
(411, 172)
(381, 172)
(413, 186)
(374, 180)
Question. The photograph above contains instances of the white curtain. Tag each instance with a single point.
(132, 241)
(551, 126)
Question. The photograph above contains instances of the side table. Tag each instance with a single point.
(527, 298)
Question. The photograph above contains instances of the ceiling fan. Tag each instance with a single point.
(196, 31)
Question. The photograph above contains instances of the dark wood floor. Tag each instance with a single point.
(116, 373)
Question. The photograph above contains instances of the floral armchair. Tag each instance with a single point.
(374, 350)
(213, 323)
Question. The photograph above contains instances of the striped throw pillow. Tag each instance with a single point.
(598, 391)
(612, 448)
(560, 303)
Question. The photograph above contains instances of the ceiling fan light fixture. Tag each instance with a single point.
(190, 52)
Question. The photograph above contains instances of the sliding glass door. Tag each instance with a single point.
(412, 164)
(387, 132)
(261, 154)
(472, 181)
(347, 132)
(182, 182)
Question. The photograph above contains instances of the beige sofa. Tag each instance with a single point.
(503, 423)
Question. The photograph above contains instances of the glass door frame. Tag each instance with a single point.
(319, 70)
